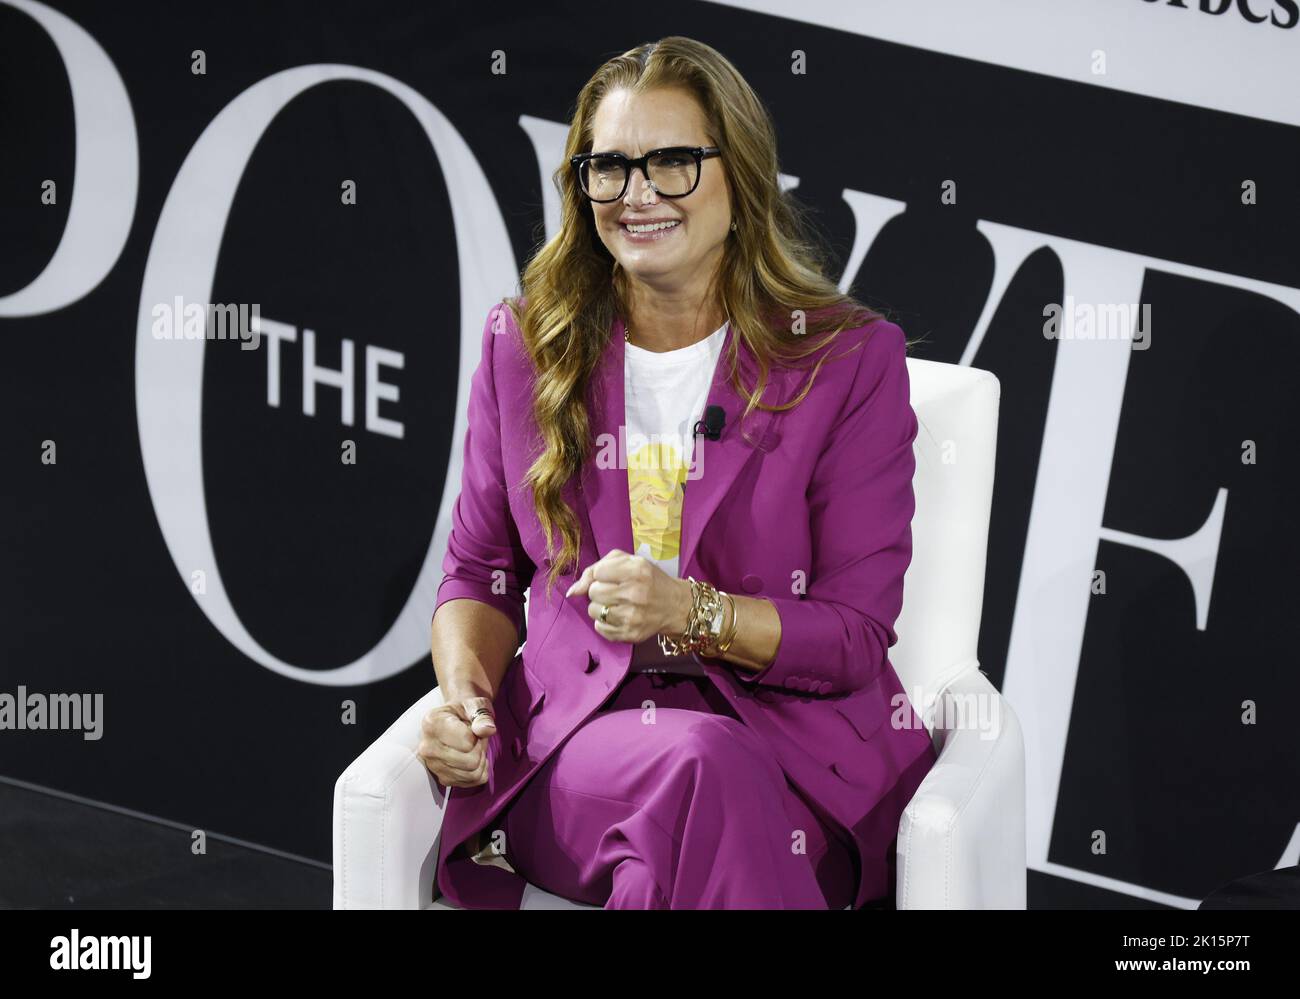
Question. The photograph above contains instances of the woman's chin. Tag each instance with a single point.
(648, 264)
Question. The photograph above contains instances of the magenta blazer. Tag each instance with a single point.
(810, 508)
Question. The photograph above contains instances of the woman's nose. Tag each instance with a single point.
(636, 190)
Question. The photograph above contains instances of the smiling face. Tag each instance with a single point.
(688, 251)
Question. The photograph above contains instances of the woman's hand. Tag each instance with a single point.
(643, 600)
(453, 749)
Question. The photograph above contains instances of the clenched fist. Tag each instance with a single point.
(453, 749)
(643, 600)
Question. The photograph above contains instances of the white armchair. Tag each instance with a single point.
(961, 841)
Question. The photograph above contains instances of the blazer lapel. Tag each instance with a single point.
(717, 463)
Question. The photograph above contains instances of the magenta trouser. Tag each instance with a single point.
(678, 807)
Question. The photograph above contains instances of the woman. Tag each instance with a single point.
(696, 454)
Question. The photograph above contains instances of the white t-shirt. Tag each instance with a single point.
(665, 396)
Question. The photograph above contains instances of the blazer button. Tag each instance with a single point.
(824, 687)
(752, 583)
(792, 682)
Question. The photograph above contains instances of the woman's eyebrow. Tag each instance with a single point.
(666, 145)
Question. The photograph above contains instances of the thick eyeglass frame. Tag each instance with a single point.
(700, 153)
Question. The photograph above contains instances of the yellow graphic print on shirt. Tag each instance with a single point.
(655, 474)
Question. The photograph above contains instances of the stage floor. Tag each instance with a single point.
(62, 853)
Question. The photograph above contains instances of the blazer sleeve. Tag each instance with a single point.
(835, 637)
(485, 559)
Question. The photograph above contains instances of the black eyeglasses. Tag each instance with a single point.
(673, 171)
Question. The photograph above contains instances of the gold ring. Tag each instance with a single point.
(604, 614)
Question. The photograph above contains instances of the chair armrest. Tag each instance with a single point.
(387, 816)
(961, 841)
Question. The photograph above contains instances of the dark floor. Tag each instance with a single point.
(62, 853)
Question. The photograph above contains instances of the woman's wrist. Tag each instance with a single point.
(681, 610)
(703, 620)
(729, 626)
(463, 689)
(750, 634)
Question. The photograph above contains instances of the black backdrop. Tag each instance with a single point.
(319, 557)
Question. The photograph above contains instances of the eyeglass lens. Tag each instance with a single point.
(672, 174)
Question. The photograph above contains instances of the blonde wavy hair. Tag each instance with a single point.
(772, 275)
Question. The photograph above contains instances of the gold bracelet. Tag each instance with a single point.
(705, 603)
(668, 645)
(724, 645)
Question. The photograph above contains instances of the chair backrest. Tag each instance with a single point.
(943, 591)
